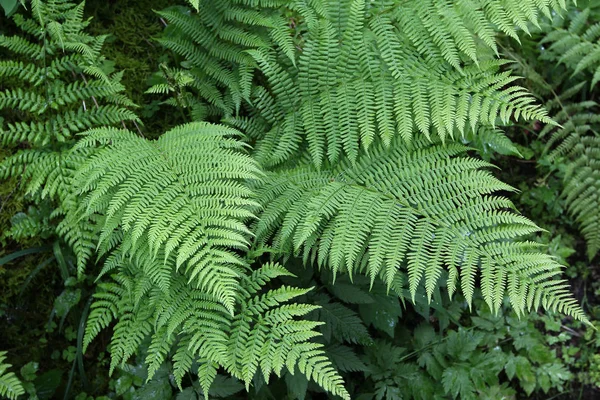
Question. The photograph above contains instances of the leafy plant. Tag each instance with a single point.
(336, 135)
(59, 88)
(10, 385)
(576, 141)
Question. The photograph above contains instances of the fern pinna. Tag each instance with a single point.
(10, 386)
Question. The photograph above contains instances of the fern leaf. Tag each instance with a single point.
(203, 208)
(575, 140)
(10, 386)
(444, 202)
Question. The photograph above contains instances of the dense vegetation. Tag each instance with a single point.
(299, 199)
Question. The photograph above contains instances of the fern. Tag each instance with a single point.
(369, 69)
(340, 323)
(417, 66)
(170, 215)
(10, 386)
(353, 114)
(576, 45)
(59, 91)
(56, 88)
(214, 42)
(577, 142)
(46, 84)
(419, 209)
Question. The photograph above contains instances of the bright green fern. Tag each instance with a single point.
(421, 209)
(10, 386)
(352, 115)
(370, 75)
(56, 85)
(171, 217)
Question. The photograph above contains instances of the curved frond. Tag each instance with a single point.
(265, 333)
(420, 209)
(384, 89)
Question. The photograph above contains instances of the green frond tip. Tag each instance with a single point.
(576, 46)
(421, 209)
(10, 385)
(195, 4)
(183, 198)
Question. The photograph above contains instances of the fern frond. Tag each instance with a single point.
(576, 141)
(194, 208)
(420, 209)
(576, 45)
(390, 90)
(55, 97)
(264, 333)
(340, 323)
(10, 386)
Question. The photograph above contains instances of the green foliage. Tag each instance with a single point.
(59, 88)
(419, 209)
(398, 68)
(10, 6)
(575, 43)
(468, 360)
(10, 386)
(575, 142)
(173, 241)
(214, 43)
(579, 145)
(391, 88)
(331, 170)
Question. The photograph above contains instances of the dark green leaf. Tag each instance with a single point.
(456, 381)
(297, 385)
(383, 314)
(9, 6)
(47, 383)
(155, 389)
(224, 386)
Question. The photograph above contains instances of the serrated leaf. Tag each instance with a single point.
(457, 382)
(342, 324)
